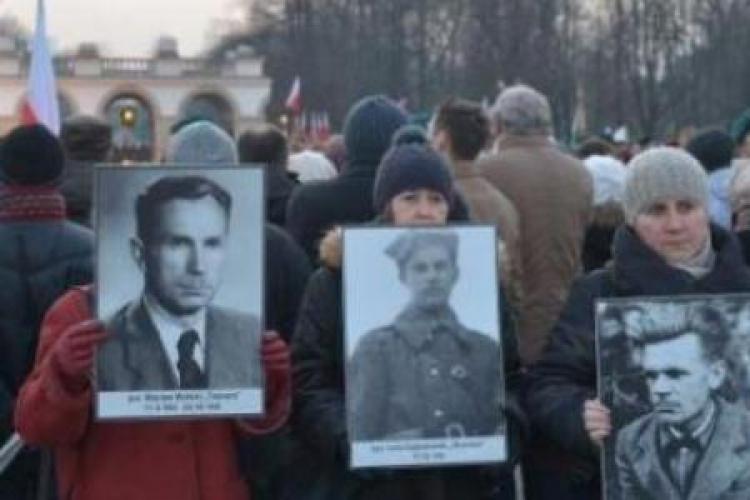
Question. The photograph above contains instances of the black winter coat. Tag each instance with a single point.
(279, 188)
(76, 187)
(38, 262)
(287, 271)
(319, 414)
(565, 376)
(316, 207)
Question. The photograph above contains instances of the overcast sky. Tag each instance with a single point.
(125, 27)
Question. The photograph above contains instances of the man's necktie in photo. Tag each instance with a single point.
(191, 375)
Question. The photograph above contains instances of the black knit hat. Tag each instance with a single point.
(30, 155)
(714, 148)
(410, 167)
(368, 129)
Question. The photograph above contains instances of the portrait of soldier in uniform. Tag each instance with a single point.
(172, 336)
(694, 444)
(424, 375)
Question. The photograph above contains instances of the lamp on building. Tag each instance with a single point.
(128, 116)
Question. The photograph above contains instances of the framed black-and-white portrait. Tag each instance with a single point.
(179, 286)
(424, 377)
(675, 374)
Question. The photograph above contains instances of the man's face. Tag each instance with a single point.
(430, 275)
(680, 379)
(183, 261)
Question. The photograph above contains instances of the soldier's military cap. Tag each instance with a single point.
(404, 246)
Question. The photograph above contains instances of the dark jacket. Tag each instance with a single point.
(597, 244)
(744, 238)
(319, 416)
(38, 262)
(316, 207)
(565, 376)
(287, 270)
(76, 187)
(279, 188)
(401, 372)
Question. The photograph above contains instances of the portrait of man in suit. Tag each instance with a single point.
(694, 444)
(172, 336)
(425, 375)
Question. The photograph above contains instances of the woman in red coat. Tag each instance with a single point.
(149, 460)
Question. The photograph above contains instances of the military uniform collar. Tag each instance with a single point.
(417, 326)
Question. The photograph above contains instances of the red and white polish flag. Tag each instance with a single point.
(40, 104)
(294, 99)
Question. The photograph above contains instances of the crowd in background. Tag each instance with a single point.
(608, 218)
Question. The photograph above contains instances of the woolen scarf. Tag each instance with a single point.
(31, 203)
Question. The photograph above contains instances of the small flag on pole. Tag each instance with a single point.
(294, 99)
(40, 105)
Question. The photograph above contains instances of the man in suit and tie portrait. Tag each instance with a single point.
(694, 444)
(172, 336)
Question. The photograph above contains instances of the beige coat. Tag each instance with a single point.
(552, 193)
(488, 205)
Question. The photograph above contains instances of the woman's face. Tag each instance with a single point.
(675, 229)
(419, 206)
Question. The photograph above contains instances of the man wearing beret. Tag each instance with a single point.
(425, 375)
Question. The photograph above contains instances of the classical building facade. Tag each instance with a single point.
(143, 97)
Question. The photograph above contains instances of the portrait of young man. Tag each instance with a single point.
(694, 443)
(424, 375)
(173, 335)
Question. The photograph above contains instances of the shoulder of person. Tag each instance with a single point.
(377, 339)
(635, 430)
(233, 316)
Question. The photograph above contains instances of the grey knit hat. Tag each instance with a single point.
(201, 142)
(663, 173)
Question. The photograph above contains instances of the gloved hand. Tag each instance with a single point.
(278, 369)
(274, 353)
(74, 353)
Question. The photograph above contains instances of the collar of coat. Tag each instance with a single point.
(639, 270)
(419, 327)
(508, 141)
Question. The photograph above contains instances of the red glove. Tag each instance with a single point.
(274, 353)
(74, 352)
(277, 365)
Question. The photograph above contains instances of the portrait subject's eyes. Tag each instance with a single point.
(675, 373)
(177, 242)
(650, 375)
(441, 265)
(419, 267)
(216, 242)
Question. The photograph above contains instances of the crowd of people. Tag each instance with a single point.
(574, 226)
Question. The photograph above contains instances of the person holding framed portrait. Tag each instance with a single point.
(414, 187)
(667, 247)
